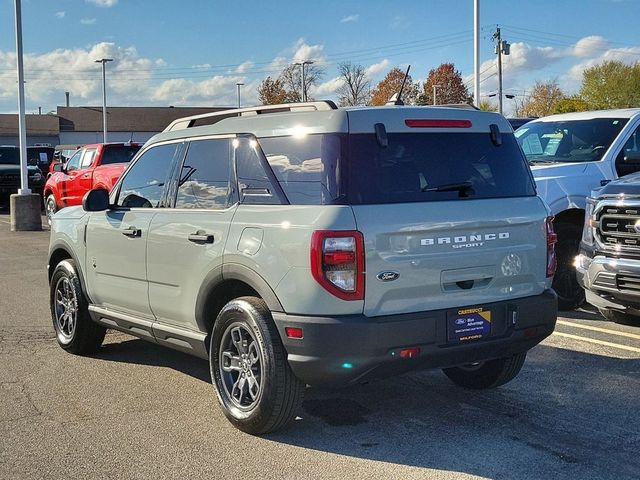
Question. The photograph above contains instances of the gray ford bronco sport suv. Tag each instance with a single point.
(305, 244)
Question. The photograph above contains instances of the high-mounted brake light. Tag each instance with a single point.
(434, 123)
(337, 262)
(552, 239)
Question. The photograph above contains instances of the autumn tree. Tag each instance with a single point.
(356, 87)
(542, 99)
(449, 86)
(390, 85)
(487, 106)
(611, 84)
(271, 92)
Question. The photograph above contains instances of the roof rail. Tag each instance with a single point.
(188, 122)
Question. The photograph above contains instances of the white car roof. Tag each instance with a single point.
(614, 113)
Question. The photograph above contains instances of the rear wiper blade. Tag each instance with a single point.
(450, 187)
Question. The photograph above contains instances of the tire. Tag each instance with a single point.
(620, 317)
(270, 395)
(50, 207)
(570, 293)
(75, 331)
(489, 374)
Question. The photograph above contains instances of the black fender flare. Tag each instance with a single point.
(233, 271)
(62, 245)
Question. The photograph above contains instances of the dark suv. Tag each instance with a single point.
(10, 174)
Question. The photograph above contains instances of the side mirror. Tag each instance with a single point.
(96, 200)
(57, 167)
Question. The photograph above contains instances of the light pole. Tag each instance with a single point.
(434, 93)
(104, 61)
(239, 85)
(304, 85)
(476, 52)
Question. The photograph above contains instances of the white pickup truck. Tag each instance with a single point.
(572, 154)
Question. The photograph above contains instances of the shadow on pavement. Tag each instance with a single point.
(567, 409)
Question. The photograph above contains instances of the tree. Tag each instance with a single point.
(571, 104)
(356, 87)
(487, 106)
(449, 86)
(390, 85)
(542, 100)
(611, 84)
(291, 78)
(271, 92)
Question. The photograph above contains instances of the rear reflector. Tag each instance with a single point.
(293, 332)
(416, 123)
(409, 352)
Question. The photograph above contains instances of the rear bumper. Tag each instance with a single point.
(350, 349)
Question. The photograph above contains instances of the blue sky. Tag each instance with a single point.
(194, 52)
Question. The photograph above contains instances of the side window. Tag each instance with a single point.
(628, 160)
(204, 180)
(253, 183)
(74, 162)
(143, 184)
(87, 157)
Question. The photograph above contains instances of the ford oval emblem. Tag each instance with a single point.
(388, 276)
(460, 321)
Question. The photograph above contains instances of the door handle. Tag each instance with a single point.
(200, 237)
(132, 232)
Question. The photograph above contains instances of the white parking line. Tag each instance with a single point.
(598, 342)
(598, 329)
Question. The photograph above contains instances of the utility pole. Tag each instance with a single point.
(104, 61)
(304, 85)
(239, 85)
(476, 53)
(434, 94)
(502, 47)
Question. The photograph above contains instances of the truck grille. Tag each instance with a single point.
(617, 227)
(628, 283)
(9, 178)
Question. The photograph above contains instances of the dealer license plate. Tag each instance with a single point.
(468, 324)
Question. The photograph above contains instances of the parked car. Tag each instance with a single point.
(571, 155)
(305, 244)
(608, 265)
(97, 165)
(41, 156)
(10, 174)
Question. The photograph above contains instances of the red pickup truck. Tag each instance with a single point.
(97, 165)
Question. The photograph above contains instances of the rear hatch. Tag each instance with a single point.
(448, 211)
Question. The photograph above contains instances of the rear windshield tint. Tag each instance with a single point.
(122, 154)
(415, 162)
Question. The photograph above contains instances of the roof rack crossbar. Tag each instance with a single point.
(188, 122)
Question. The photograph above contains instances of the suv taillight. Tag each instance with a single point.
(337, 262)
(552, 239)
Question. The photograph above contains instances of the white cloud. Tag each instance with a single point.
(376, 68)
(88, 21)
(589, 46)
(103, 3)
(60, 14)
(328, 88)
(244, 67)
(303, 51)
(350, 18)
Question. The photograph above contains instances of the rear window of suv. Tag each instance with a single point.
(355, 169)
(414, 163)
(119, 154)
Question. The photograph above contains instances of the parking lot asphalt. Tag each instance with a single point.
(136, 410)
